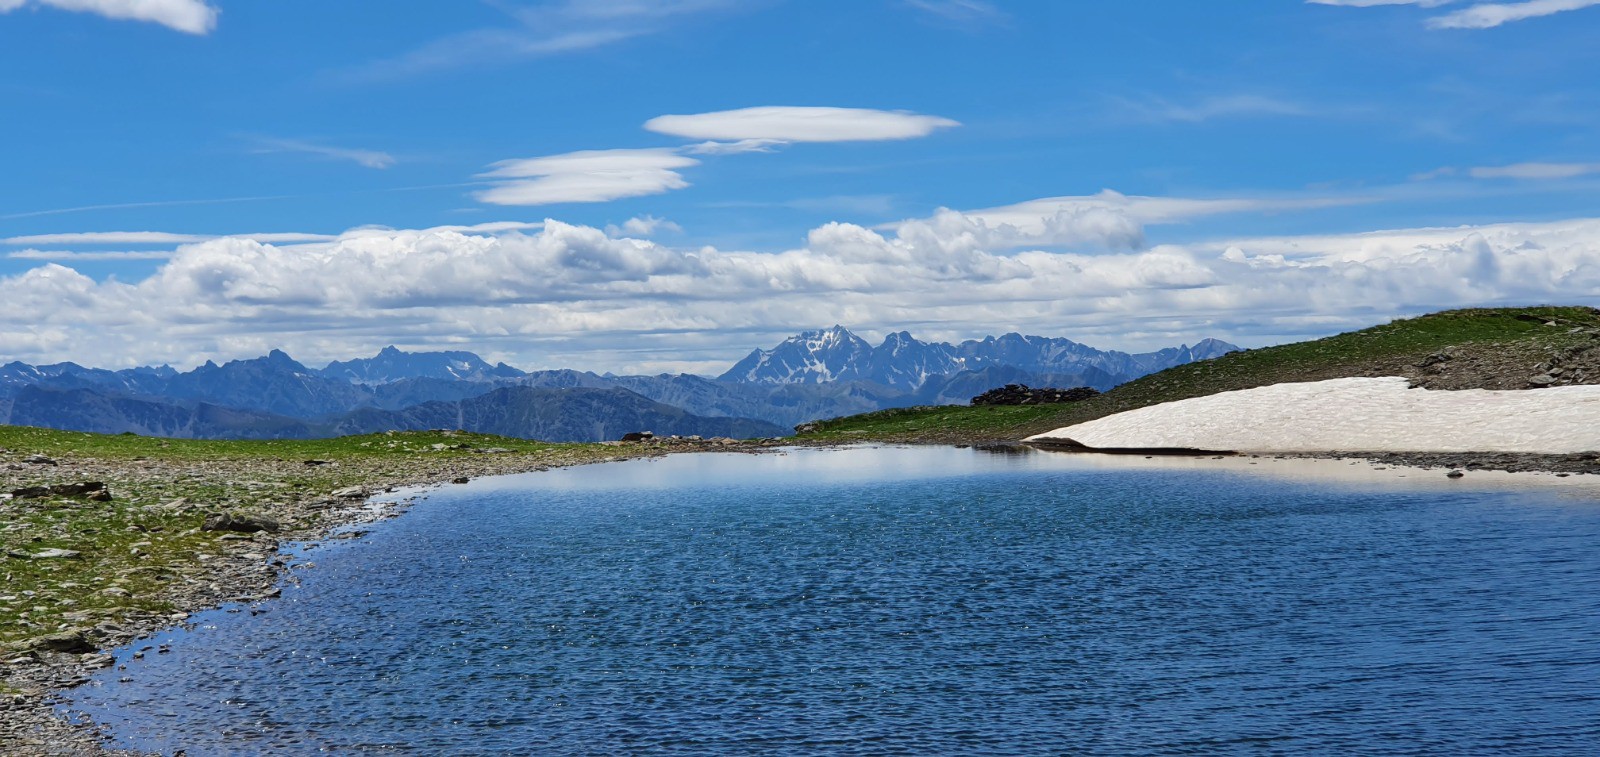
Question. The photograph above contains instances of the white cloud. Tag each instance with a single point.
(643, 226)
(32, 254)
(1108, 219)
(1479, 16)
(191, 16)
(576, 296)
(156, 237)
(734, 148)
(368, 158)
(778, 124)
(586, 176)
(1535, 171)
(1489, 15)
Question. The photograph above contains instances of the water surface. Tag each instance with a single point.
(911, 601)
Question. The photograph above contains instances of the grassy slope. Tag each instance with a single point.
(1510, 339)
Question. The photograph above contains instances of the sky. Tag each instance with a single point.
(647, 186)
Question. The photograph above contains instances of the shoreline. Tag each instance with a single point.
(254, 567)
(246, 569)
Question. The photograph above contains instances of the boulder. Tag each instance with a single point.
(94, 490)
(638, 436)
(39, 460)
(241, 522)
(70, 642)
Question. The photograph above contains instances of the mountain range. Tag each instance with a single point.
(816, 374)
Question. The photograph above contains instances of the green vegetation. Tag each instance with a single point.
(143, 555)
(1492, 348)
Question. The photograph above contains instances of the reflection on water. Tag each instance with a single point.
(919, 601)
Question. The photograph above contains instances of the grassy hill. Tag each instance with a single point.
(1490, 348)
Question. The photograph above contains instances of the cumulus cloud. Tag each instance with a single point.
(779, 124)
(1489, 15)
(643, 226)
(191, 16)
(586, 176)
(569, 295)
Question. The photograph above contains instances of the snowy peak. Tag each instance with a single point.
(811, 357)
(393, 364)
(904, 362)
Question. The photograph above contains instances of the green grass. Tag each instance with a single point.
(1509, 334)
(147, 476)
(909, 421)
(130, 446)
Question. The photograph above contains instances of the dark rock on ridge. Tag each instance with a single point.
(1018, 394)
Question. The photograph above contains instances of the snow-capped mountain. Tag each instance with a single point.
(391, 364)
(903, 362)
(812, 357)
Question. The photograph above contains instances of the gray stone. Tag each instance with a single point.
(241, 522)
(70, 642)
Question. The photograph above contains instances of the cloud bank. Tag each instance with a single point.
(569, 295)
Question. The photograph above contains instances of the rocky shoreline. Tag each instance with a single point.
(239, 566)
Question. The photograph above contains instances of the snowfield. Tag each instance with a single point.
(1358, 415)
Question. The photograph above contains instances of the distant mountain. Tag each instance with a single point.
(273, 384)
(391, 364)
(814, 375)
(91, 410)
(903, 362)
(566, 415)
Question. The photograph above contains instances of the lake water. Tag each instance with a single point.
(909, 601)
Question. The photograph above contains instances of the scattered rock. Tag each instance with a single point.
(70, 642)
(94, 490)
(240, 522)
(1543, 379)
(1020, 394)
(806, 428)
(351, 492)
(47, 554)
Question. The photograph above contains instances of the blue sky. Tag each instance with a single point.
(1257, 171)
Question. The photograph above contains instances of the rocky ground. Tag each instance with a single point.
(98, 552)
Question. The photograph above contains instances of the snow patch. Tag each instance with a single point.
(1358, 415)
